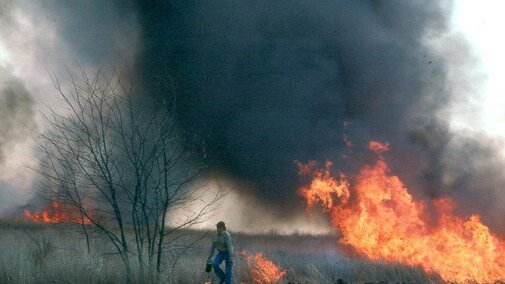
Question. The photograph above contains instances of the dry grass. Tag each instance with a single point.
(55, 254)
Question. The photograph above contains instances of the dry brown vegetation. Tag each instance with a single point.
(33, 253)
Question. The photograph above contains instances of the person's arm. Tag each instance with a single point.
(229, 245)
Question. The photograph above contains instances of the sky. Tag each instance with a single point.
(39, 39)
(481, 23)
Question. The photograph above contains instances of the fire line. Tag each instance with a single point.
(56, 212)
(381, 220)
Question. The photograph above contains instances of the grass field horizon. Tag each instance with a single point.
(42, 253)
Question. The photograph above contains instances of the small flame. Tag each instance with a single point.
(57, 212)
(382, 221)
(263, 270)
(378, 147)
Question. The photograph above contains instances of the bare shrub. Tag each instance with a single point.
(124, 166)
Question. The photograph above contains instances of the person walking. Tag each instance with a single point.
(222, 242)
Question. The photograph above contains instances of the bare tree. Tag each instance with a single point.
(121, 163)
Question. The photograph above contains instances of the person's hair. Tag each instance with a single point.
(221, 224)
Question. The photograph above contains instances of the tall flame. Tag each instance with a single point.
(380, 219)
(263, 270)
(57, 212)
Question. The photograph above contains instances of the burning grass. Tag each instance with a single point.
(262, 269)
(376, 216)
(56, 212)
(381, 221)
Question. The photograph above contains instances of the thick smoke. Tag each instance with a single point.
(16, 116)
(269, 82)
(94, 33)
(16, 111)
(265, 83)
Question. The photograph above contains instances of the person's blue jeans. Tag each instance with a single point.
(228, 260)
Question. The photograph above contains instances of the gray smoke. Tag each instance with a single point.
(96, 33)
(16, 111)
(42, 38)
(16, 116)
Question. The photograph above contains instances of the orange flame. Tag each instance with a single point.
(382, 221)
(323, 189)
(56, 213)
(378, 147)
(263, 270)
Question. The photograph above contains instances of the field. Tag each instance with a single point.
(39, 253)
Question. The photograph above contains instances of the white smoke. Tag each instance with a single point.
(37, 42)
(243, 212)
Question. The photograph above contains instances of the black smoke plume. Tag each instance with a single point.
(270, 82)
